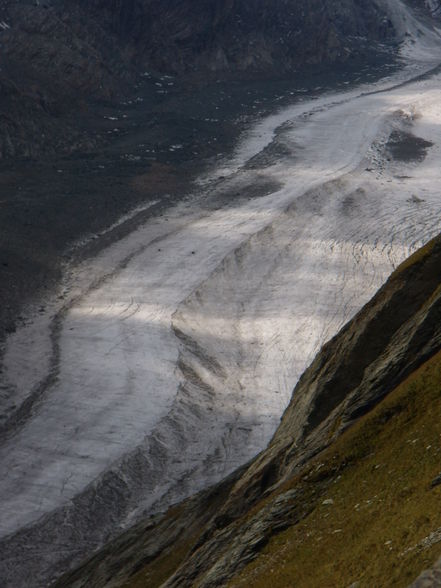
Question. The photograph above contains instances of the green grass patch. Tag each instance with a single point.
(155, 573)
(376, 479)
(420, 255)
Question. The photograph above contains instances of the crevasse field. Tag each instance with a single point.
(174, 352)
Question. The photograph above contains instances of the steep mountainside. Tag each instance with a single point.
(234, 35)
(347, 491)
(59, 55)
(54, 59)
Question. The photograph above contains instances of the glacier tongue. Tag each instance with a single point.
(179, 346)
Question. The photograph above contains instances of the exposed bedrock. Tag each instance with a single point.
(235, 35)
(59, 56)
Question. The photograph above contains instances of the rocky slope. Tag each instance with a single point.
(60, 56)
(54, 60)
(234, 35)
(348, 489)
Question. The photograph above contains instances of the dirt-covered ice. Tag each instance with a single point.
(175, 350)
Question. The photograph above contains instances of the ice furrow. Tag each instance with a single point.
(175, 368)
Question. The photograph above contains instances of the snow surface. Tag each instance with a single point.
(184, 340)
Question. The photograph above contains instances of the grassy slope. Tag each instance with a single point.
(156, 573)
(378, 475)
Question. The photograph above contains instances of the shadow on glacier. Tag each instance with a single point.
(180, 456)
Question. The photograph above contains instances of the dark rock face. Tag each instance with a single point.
(253, 36)
(59, 55)
(52, 62)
